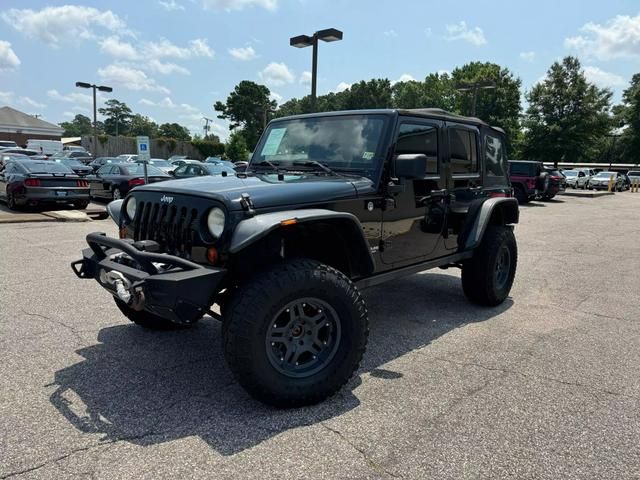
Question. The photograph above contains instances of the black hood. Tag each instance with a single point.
(266, 190)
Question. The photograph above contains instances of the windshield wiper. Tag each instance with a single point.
(266, 163)
(313, 163)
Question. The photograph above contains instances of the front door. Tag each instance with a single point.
(412, 227)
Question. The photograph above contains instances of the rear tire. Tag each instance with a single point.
(147, 320)
(295, 334)
(81, 205)
(11, 201)
(488, 276)
(518, 191)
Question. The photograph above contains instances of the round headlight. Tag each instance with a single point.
(215, 222)
(130, 208)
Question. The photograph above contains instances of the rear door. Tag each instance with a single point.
(465, 179)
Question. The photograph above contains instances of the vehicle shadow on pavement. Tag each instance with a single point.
(149, 387)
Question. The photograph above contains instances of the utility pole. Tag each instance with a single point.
(37, 115)
(474, 87)
(206, 126)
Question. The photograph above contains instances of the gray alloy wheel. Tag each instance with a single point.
(116, 194)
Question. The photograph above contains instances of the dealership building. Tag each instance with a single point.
(20, 127)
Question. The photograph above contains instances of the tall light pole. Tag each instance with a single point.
(102, 88)
(302, 41)
(474, 87)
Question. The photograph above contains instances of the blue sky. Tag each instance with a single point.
(172, 59)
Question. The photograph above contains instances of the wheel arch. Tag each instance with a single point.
(492, 211)
(334, 238)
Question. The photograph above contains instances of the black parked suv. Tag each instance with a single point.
(329, 204)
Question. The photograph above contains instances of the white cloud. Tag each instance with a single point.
(342, 86)
(171, 5)
(6, 97)
(243, 53)
(118, 49)
(390, 33)
(460, 31)
(239, 4)
(31, 102)
(201, 48)
(275, 96)
(618, 38)
(67, 23)
(8, 58)
(405, 77)
(131, 78)
(276, 74)
(305, 78)
(155, 65)
(80, 109)
(74, 97)
(444, 72)
(528, 56)
(602, 78)
(69, 114)
(167, 103)
(165, 49)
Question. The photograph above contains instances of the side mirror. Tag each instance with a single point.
(172, 173)
(410, 165)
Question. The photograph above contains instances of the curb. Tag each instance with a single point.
(25, 218)
(587, 194)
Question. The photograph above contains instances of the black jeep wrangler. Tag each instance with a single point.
(329, 204)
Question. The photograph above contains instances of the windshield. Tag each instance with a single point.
(341, 142)
(138, 169)
(46, 167)
(70, 162)
(160, 163)
(605, 174)
(634, 174)
(569, 173)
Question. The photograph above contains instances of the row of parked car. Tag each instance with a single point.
(32, 179)
(533, 180)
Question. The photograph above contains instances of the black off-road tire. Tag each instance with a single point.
(480, 278)
(259, 304)
(518, 192)
(81, 205)
(146, 319)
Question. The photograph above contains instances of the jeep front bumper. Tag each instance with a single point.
(165, 285)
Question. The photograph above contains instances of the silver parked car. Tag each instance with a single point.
(634, 175)
(601, 181)
(576, 178)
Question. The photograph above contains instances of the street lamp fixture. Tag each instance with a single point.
(102, 88)
(302, 41)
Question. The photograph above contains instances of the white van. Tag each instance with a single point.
(46, 147)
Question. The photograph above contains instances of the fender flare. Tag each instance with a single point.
(253, 229)
(482, 219)
(113, 209)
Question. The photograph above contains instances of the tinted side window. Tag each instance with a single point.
(495, 156)
(416, 138)
(104, 170)
(519, 169)
(464, 155)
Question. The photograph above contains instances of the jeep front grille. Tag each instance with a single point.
(173, 227)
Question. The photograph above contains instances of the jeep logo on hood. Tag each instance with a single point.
(166, 199)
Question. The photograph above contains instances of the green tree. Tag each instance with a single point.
(236, 148)
(118, 117)
(376, 93)
(568, 117)
(436, 91)
(142, 125)
(499, 106)
(245, 107)
(627, 115)
(80, 125)
(175, 131)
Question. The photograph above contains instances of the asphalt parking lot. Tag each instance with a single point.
(544, 386)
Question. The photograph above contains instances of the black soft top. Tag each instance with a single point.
(436, 113)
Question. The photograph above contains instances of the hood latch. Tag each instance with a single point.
(247, 203)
